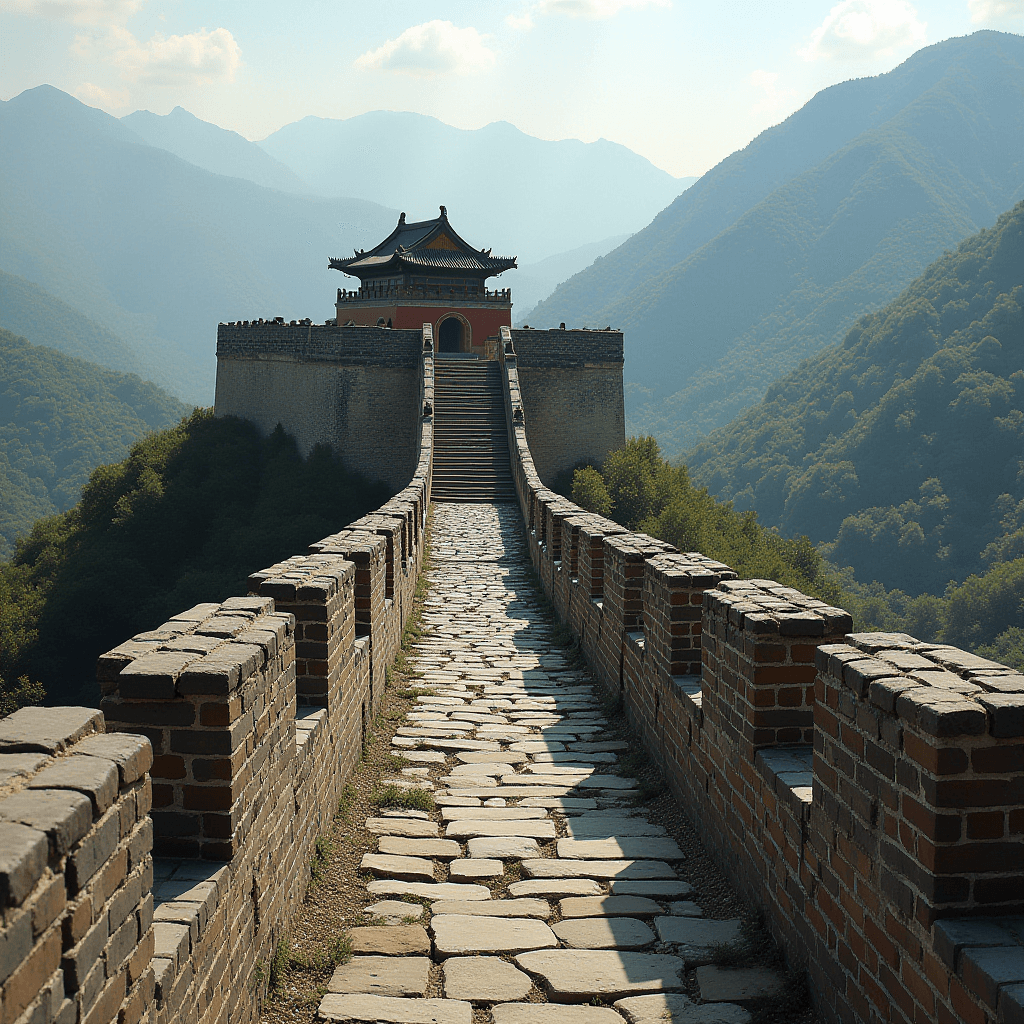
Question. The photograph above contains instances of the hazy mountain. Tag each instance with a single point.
(157, 249)
(903, 444)
(60, 418)
(212, 148)
(28, 310)
(776, 251)
(537, 281)
(504, 189)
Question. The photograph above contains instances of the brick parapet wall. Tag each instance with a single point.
(76, 870)
(248, 772)
(885, 840)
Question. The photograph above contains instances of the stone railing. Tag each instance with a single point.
(865, 790)
(237, 723)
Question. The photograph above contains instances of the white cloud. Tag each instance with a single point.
(520, 22)
(866, 29)
(82, 12)
(595, 9)
(774, 100)
(985, 12)
(105, 99)
(433, 48)
(196, 58)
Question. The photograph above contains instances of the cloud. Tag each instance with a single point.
(594, 9)
(82, 12)
(985, 12)
(196, 58)
(106, 99)
(773, 99)
(866, 29)
(520, 22)
(433, 48)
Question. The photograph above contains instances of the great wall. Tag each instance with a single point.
(865, 791)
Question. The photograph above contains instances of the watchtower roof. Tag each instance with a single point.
(426, 245)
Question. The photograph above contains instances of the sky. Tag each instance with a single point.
(682, 82)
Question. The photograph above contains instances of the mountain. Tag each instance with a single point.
(537, 281)
(904, 446)
(504, 189)
(212, 148)
(157, 249)
(775, 252)
(28, 310)
(60, 418)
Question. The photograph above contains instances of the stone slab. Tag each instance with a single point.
(632, 887)
(485, 979)
(454, 800)
(462, 934)
(470, 870)
(390, 940)
(389, 1010)
(736, 985)
(554, 888)
(570, 756)
(503, 847)
(685, 909)
(412, 869)
(548, 1013)
(456, 746)
(604, 933)
(623, 848)
(675, 1008)
(634, 869)
(515, 792)
(399, 976)
(423, 756)
(524, 907)
(566, 804)
(408, 827)
(399, 846)
(609, 906)
(467, 828)
(493, 813)
(536, 746)
(593, 826)
(430, 891)
(602, 746)
(506, 757)
(693, 936)
(577, 976)
(394, 911)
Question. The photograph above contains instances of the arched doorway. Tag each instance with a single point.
(450, 335)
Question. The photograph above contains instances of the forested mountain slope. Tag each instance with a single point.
(775, 252)
(154, 248)
(33, 313)
(904, 445)
(60, 418)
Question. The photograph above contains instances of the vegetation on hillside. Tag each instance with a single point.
(185, 518)
(775, 253)
(902, 448)
(642, 491)
(59, 418)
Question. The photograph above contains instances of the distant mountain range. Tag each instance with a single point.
(775, 252)
(154, 248)
(60, 417)
(504, 189)
(903, 447)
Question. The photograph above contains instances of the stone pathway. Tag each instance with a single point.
(545, 884)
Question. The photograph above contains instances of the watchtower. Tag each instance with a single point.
(425, 273)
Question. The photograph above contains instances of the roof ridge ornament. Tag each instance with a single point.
(444, 212)
(401, 217)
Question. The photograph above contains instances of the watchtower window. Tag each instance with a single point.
(450, 335)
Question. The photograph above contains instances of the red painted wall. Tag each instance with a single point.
(484, 323)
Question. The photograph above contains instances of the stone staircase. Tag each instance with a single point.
(471, 461)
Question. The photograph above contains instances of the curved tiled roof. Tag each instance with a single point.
(423, 245)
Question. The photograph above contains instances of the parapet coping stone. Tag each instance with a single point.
(940, 690)
(312, 578)
(51, 799)
(766, 607)
(987, 954)
(239, 638)
(789, 771)
(688, 569)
